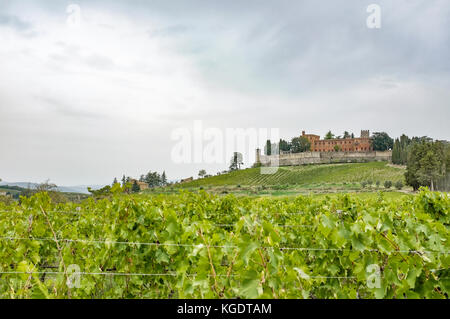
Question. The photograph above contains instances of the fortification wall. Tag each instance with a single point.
(324, 158)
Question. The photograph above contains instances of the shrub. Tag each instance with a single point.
(399, 185)
(387, 184)
(377, 183)
(363, 184)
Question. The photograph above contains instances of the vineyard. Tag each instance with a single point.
(193, 245)
(306, 174)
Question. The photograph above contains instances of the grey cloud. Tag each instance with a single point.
(99, 61)
(171, 30)
(14, 22)
(65, 109)
(295, 65)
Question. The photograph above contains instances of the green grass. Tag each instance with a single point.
(307, 176)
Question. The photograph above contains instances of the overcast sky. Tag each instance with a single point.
(82, 103)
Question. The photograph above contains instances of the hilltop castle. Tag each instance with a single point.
(336, 150)
(349, 144)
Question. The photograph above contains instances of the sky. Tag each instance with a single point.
(92, 90)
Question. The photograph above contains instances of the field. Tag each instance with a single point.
(307, 175)
(199, 245)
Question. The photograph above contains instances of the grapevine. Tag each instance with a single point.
(198, 245)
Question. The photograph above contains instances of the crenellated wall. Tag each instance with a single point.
(323, 158)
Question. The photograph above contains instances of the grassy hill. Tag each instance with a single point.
(306, 175)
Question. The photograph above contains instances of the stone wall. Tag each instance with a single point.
(324, 158)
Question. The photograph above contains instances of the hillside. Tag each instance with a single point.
(304, 175)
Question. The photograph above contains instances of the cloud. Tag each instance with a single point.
(14, 22)
(134, 71)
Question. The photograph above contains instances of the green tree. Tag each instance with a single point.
(346, 134)
(236, 161)
(268, 148)
(201, 173)
(163, 178)
(114, 181)
(396, 152)
(337, 148)
(387, 184)
(329, 136)
(300, 144)
(405, 141)
(104, 191)
(284, 145)
(427, 163)
(135, 188)
(381, 141)
(153, 179)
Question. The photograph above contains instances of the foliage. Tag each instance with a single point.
(329, 136)
(236, 161)
(399, 185)
(284, 146)
(381, 141)
(307, 174)
(201, 173)
(428, 163)
(135, 188)
(268, 148)
(387, 184)
(300, 144)
(204, 246)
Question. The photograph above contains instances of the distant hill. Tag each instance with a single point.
(81, 189)
(307, 174)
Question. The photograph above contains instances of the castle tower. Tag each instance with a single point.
(365, 134)
(258, 156)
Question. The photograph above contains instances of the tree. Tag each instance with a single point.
(428, 163)
(387, 184)
(268, 148)
(236, 161)
(201, 173)
(163, 178)
(284, 145)
(381, 141)
(124, 180)
(300, 144)
(337, 148)
(329, 136)
(153, 179)
(114, 181)
(104, 191)
(346, 134)
(400, 150)
(46, 187)
(135, 188)
(396, 152)
(405, 141)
